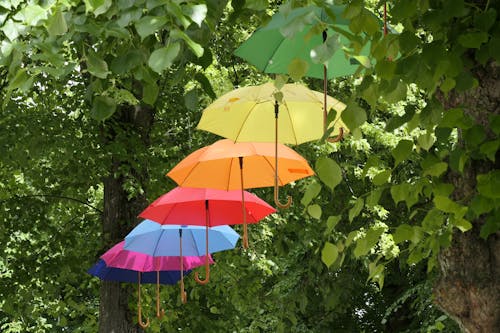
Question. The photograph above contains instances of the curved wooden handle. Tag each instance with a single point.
(139, 319)
(207, 275)
(339, 137)
(139, 307)
(277, 201)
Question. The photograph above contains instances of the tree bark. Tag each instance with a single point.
(469, 285)
(120, 212)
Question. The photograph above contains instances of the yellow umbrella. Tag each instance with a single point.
(264, 113)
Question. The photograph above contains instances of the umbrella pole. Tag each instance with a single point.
(245, 227)
(276, 186)
(325, 110)
(183, 293)
(139, 308)
(207, 263)
(159, 312)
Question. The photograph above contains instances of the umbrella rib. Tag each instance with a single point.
(273, 53)
(189, 173)
(271, 165)
(229, 173)
(157, 242)
(243, 123)
(291, 122)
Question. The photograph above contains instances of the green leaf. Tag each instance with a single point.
(402, 151)
(374, 197)
(462, 224)
(12, 29)
(426, 140)
(329, 254)
(400, 192)
(396, 94)
(297, 69)
(164, 57)
(193, 46)
(256, 4)
(22, 81)
(474, 136)
(366, 243)
(481, 205)
(449, 206)
(406, 232)
(353, 116)
(197, 13)
(103, 107)
(205, 85)
(381, 178)
(491, 226)
(436, 170)
(191, 99)
(329, 172)
(150, 92)
(370, 22)
(447, 84)
(455, 118)
(488, 184)
(56, 24)
(314, 211)
(363, 60)
(473, 40)
(353, 9)
(490, 149)
(433, 220)
(356, 209)
(148, 25)
(97, 66)
(311, 192)
(33, 14)
(322, 53)
(332, 222)
(280, 81)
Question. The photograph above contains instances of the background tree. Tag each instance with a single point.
(101, 98)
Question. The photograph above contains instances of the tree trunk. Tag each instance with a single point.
(120, 213)
(469, 285)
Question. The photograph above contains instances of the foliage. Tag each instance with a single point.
(357, 251)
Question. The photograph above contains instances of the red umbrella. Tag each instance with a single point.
(206, 207)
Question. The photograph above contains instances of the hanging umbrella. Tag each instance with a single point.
(206, 207)
(269, 49)
(158, 239)
(118, 257)
(250, 114)
(108, 273)
(240, 166)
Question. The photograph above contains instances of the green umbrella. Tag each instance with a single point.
(298, 34)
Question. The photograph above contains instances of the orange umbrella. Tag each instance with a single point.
(226, 165)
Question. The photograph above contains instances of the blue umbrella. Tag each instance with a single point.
(164, 240)
(156, 239)
(104, 272)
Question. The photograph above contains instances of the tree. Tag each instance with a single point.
(100, 99)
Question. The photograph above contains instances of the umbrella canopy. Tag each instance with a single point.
(249, 114)
(118, 257)
(199, 206)
(109, 273)
(272, 52)
(221, 160)
(154, 239)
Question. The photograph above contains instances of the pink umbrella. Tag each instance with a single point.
(118, 257)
